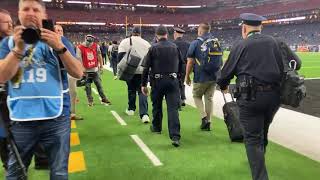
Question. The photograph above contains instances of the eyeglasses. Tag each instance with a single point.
(7, 22)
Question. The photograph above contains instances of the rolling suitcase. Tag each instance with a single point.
(231, 118)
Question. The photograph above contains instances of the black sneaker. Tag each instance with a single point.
(154, 131)
(205, 125)
(106, 101)
(183, 103)
(41, 167)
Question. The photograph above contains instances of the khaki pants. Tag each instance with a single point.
(73, 93)
(207, 90)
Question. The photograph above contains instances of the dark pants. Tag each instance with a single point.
(104, 58)
(5, 120)
(94, 77)
(168, 88)
(53, 135)
(114, 65)
(256, 117)
(182, 88)
(134, 87)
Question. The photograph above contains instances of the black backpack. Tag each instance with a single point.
(211, 53)
(293, 90)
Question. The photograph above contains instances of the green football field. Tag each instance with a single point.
(111, 154)
(310, 63)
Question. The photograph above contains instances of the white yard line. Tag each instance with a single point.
(118, 118)
(95, 91)
(153, 158)
(312, 78)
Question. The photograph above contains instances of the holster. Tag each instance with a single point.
(246, 88)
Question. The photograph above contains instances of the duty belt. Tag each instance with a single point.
(170, 75)
(265, 88)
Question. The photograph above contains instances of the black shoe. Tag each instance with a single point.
(205, 125)
(154, 131)
(183, 103)
(176, 143)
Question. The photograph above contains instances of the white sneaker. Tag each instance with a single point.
(145, 119)
(129, 112)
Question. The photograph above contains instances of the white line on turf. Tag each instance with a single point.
(316, 78)
(96, 92)
(118, 118)
(154, 159)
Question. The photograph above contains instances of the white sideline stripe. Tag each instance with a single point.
(95, 91)
(153, 158)
(118, 118)
(312, 78)
(294, 130)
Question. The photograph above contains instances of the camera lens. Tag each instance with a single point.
(31, 35)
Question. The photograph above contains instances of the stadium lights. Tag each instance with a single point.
(146, 5)
(114, 4)
(81, 23)
(78, 2)
(184, 7)
(193, 25)
(47, 0)
(284, 20)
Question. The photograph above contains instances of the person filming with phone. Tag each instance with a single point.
(36, 67)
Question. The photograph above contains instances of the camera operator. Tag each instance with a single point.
(38, 98)
(6, 27)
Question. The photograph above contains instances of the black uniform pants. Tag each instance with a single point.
(256, 117)
(168, 88)
(182, 88)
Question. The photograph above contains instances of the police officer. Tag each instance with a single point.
(165, 64)
(183, 47)
(256, 62)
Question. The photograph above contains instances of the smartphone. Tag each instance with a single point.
(48, 24)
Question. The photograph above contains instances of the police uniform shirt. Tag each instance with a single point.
(183, 47)
(163, 57)
(140, 45)
(257, 56)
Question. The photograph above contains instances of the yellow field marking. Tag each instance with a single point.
(73, 124)
(74, 139)
(76, 162)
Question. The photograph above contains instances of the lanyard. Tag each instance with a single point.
(253, 33)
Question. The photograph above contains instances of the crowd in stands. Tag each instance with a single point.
(293, 34)
(262, 7)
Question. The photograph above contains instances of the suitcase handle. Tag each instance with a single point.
(224, 97)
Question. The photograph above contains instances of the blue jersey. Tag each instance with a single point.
(42, 92)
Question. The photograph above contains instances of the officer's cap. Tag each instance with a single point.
(179, 30)
(252, 19)
(161, 30)
(136, 30)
